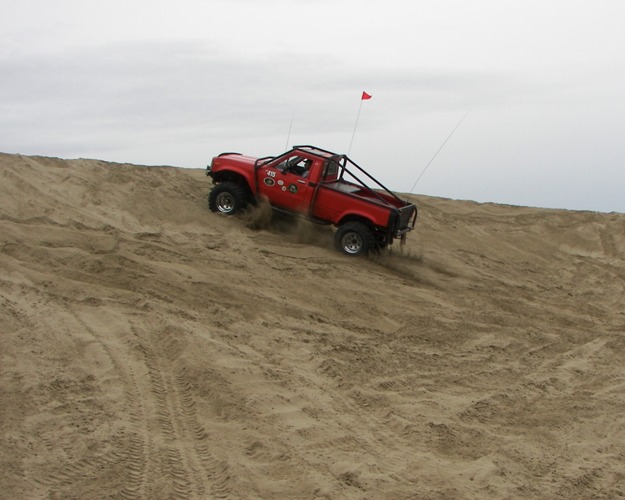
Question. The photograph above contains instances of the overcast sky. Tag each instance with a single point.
(160, 82)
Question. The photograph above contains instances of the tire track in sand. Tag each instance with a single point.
(133, 447)
(121, 453)
(195, 472)
(163, 450)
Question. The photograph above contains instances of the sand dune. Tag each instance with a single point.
(152, 349)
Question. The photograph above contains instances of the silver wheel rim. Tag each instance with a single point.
(352, 243)
(225, 202)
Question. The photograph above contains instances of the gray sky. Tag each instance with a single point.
(156, 82)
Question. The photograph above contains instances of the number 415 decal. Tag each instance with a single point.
(271, 173)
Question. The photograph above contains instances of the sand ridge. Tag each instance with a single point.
(152, 349)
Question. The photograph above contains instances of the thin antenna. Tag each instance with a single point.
(439, 149)
(364, 97)
(288, 137)
(355, 125)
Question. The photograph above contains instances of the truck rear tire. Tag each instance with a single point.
(354, 239)
(227, 198)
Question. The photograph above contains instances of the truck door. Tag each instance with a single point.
(285, 182)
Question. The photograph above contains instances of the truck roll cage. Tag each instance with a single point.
(342, 162)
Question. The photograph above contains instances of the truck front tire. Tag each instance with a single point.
(227, 198)
(354, 238)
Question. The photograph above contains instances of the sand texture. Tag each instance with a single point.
(151, 349)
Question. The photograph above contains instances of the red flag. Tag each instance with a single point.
(365, 96)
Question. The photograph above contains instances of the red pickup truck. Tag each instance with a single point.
(325, 187)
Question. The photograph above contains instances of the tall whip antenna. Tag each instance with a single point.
(288, 137)
(439, 150)
(364, 97)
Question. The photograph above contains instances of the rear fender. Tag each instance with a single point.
(357, 217)
(363, 216)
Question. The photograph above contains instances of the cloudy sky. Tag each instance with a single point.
(161, 82)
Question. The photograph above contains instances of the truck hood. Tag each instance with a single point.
(233, 159)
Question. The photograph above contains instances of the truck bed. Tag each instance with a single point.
(359, 191)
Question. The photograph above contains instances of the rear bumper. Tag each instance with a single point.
(407, 220)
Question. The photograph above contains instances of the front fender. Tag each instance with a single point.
(233, 167)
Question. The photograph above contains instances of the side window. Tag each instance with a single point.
(296, 165)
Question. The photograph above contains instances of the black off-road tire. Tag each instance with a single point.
(227, 198)
(354, 239)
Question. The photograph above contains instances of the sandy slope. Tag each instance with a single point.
(152, 349)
